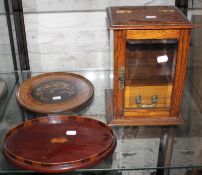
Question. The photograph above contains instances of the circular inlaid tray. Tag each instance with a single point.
(54, 92)
(58, 143)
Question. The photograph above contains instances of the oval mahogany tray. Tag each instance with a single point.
(54, 92)
(58, 143)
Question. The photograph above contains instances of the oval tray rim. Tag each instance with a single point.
(55, 167)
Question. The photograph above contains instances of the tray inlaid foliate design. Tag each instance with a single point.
(55, 91)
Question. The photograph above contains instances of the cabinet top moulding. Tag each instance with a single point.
(147, 17)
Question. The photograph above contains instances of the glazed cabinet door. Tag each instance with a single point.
(149, 72)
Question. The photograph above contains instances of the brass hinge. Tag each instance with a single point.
(124, 11)
(121, 78)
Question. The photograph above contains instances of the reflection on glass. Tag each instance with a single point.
(150, 66)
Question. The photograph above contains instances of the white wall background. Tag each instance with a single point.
(65, 41)
(67, 35)
(64, 35)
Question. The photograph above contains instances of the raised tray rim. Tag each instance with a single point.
(56, 167)
(53, 111)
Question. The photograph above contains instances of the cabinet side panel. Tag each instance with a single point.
(180, 72)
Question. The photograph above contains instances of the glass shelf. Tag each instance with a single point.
(10, 81)
(140, 150)
(137, 147)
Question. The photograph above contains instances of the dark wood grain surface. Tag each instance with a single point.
(54, 92)
(155, 17)
(44, 145)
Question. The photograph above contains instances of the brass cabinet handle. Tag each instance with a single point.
(138, 101)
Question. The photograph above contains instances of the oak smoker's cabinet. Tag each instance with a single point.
(150, 49)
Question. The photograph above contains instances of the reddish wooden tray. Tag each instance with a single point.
(54, 92)
(58, 143)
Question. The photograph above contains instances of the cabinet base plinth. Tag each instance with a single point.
(137, 121)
